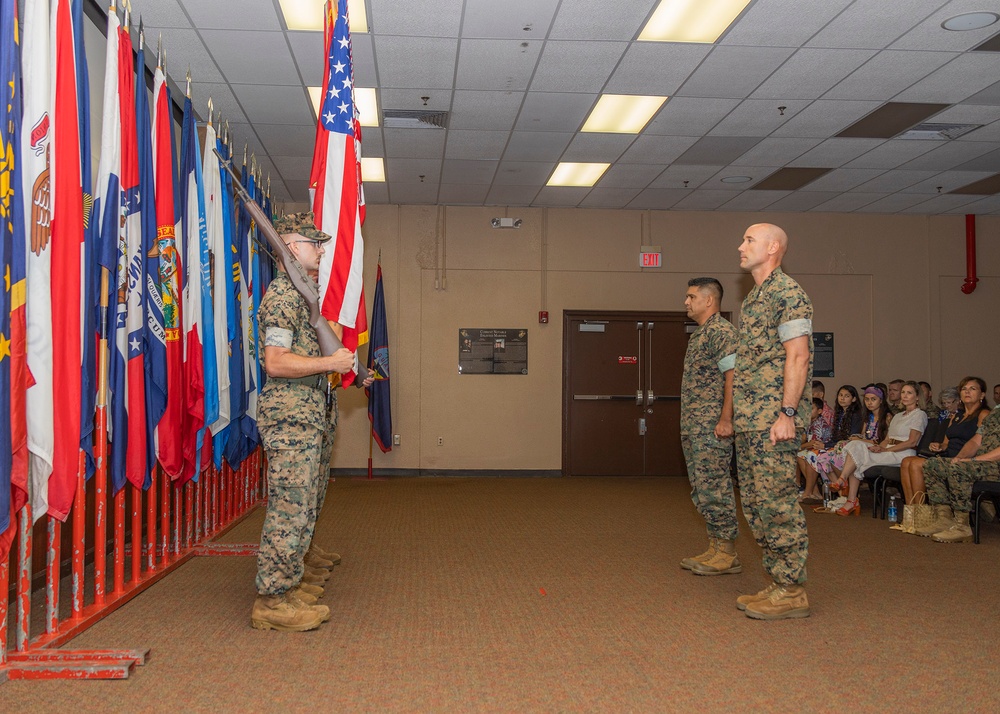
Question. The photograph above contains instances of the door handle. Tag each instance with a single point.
(642, 427)
(650, 398)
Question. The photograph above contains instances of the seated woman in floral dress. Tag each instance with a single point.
(962, 426)
(901, 441)
(875, 418)
(847, 422)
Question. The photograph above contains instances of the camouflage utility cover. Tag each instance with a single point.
(301, 223)
(774, 312)
(711, 352)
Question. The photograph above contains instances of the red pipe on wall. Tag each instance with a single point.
(970, 255)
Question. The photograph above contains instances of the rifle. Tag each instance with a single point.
(305, 285)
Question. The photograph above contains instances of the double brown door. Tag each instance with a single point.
(621, 393)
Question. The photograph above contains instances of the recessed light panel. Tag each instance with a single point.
(372, 169)
(364, 100)
(308, 14)
(622, 113)
(576, 174)
(970, 21)
(691, 20)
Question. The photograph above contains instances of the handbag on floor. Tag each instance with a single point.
(916, 515)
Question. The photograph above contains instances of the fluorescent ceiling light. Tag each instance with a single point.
(691, 20)
(622, 113)
(364, 98)
(573, 174)
(372, 169)
(308, 14)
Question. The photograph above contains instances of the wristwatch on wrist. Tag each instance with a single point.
(788, 411)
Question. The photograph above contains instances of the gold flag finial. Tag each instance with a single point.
(210, 111)
(189, 82)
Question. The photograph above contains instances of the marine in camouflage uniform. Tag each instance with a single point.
(292, 420)
(949, 483)
(706, 426)
(773, 316)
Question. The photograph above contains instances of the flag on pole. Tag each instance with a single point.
(154, 334)
(221, 441)
(169, 430)
(379, 406)
(215, 231)
(13, 360)
(36, 192)
(67, 245)
(335, 179)
(201, 399)
(107, 220)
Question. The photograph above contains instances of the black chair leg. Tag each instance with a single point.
(974, 517)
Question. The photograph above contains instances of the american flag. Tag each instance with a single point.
(338, 198)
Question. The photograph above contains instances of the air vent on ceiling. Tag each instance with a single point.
(938, 131)
(414, 119)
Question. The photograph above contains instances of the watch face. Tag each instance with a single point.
(788, 411)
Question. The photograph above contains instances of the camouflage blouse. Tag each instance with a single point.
(284, 317)
(711, 352)
(990, 431)
(774, 312)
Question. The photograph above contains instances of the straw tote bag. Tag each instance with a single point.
(918, 514)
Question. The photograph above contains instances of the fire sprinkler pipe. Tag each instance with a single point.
(970, 255)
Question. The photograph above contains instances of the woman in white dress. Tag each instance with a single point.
(904, 434)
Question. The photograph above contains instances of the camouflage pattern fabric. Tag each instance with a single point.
(286, 404)
(771, 504)
(765, 318)
(708, 460)
(293, 467)
(710, 353)
(329, 436)
(774, 312)
(949, 483)
(301, 223)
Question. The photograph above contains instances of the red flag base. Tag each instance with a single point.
(73, 664)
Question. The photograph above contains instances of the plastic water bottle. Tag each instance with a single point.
(893, 515)
(826, 495)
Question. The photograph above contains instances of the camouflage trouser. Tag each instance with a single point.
(708, 460)
(771, 504)
(950, 484)
(332, 416)
(293, 466)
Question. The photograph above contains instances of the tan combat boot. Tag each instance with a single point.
(314, 549)
(317, 580)
(301, 600)
(942, 521)
(689, 563)
(317, 572)
(743, 600)
(277, 612)
(724, 561)
(959, 532)
(314, 590)
(785, 602)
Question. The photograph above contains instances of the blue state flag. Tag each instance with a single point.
(379, 403)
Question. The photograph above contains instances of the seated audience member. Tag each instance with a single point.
(927, 401)
(962, 426)
(953, 398)
(949, 481)
(996, 395)
(847, 422)
(892, 396)
(819, 392)
(813, 440)
(875, 418)
(901, 441)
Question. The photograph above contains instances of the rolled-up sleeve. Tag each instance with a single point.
(794, 328)
(727, 363)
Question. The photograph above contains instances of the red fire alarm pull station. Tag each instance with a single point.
(543, 317)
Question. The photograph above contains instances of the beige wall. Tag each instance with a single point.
(888, 287)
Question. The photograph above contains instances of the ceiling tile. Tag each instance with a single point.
(414, 143)
(704, 200)
(888, 73)
(494, 64)
(536, 146)
(980, 206)
(554, 112)
(507, 19)
(989, 162)
(268, 104)
(409, 171)
(929, 35)
(630, 176)
(893, 203)
(223, 100)
(766, 22)
(484, 110)
(598, 20)
(465, 144)
(413, 98)
(823, 118)
(961, 78)
(890, 154)
(658, 198)
(842, 179)
(391, 17)
(733, 71)
(717, 150)
(810, 73)
(298, 190)
(597, 147)
(270, 62)
(758, 117)
(362, 55)
(752, 200)
(949, 155)
(990, 132)
(675, 176)
(580, 66)
(836, 152)
(873, 23)
(523, 173)
(308, 51)
(756, 174)
(252, 15)
(293, 167)
(457, 171)
(849, 202)
(602, 197)
(463, 194)
(656, 68)
(775, 152)
(157, 13)
(969, 114)
(501, 195)
(271, 139)
(802, 201)
(415, 61)
(560, 196)
(657, 149)
(689, 116)
(990, 95)
(185, 49)
(892, 181)
(939, 204)
(376, 193)
(413, 193)
(946, 181)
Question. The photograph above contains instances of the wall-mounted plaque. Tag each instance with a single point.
(492, 351)
(822, 354)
